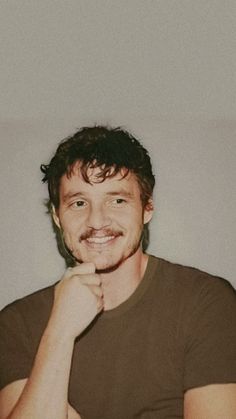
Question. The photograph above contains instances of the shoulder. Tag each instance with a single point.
(33, 308)
(194, 297)
(189, 282)
(202, 308)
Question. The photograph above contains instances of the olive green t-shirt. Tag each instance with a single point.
(177, 331)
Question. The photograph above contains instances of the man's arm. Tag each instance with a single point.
(215, 401)
(78, 299)
(10, 395)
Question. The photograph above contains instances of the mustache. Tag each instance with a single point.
(99, 233)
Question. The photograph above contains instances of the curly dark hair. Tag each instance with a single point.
(110, 149)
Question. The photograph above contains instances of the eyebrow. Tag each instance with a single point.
(71, 195)
(120, 192)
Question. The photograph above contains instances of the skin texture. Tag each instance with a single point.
(101, 222)
(216, 401)
(10, 395)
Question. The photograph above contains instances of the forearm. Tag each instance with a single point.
(77, 301)
(45, 394)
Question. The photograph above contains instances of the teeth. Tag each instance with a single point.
(100, 240)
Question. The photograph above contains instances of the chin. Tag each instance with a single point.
(104, 262)
(102, 269)
(106, 265)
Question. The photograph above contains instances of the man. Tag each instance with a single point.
(123, 334)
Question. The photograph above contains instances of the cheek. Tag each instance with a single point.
(69, 222)
(134, 225)
(133, 216)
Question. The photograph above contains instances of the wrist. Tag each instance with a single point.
(58, 335)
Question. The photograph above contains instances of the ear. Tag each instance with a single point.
(148, 211)
(55, 217)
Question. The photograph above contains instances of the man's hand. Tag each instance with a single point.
(78, 299)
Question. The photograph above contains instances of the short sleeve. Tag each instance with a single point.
(210, 352)
(15, 360)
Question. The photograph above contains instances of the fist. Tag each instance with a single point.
(78, 299)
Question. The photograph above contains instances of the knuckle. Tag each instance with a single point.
(85, 268)
(68, 272)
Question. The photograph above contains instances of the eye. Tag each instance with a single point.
(78, 204)
(120, 201)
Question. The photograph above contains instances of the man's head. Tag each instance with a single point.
(98, 160)
(107, 148)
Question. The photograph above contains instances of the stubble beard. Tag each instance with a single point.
(76, 258)
(113, 266)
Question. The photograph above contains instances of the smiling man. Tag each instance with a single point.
(123, 334)
(102, 221)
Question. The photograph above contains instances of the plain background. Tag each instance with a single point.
(164, 70)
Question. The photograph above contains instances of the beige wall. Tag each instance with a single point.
(165, 70)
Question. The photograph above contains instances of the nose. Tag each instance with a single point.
(98, 218)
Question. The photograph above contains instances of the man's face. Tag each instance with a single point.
(101, 222)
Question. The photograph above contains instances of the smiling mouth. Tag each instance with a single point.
(100, 240)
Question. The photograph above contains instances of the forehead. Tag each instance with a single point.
(75, 183)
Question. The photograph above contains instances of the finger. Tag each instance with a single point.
(85, 279)
(82, 268)
(100, 304)
(94, 279)
(96, 290)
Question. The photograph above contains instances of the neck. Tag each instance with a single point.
(120, 284)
